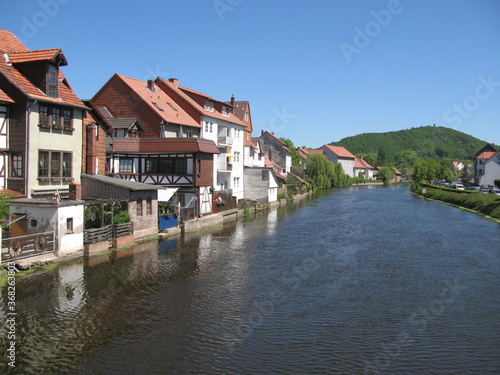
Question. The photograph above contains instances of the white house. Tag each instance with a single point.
(487, 168)
(261, 184)
(339, 155)
(219, 124)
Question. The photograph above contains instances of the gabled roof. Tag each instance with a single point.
(9, 45)
(5, 98)
(361, 164)
(341, 152)
(160, 102)
(486, 155)
(487, 147)
(54, 55)
(118, 122)
(193, 99)
(164, 145)
(271, 135)
(305, 152)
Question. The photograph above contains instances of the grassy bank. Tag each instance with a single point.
(487, 204)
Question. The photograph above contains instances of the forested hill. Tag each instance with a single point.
(426, 141)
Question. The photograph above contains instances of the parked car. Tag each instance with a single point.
(484, 190)
(494, 190)
(473, 188)
(459, 187)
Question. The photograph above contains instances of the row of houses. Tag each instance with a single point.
(192, 148)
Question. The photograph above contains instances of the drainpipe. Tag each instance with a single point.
(26, 160)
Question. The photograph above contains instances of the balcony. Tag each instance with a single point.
(225, 140)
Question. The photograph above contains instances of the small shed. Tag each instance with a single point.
(142, 199)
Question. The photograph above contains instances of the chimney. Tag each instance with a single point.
(175, 81)
(232, 100)
(151, 85)
(75, 191)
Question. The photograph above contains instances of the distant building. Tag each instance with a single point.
(363, 169)
(487, 166)
(277, 151)
(339, 155)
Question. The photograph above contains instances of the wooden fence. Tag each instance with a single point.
(107, 233)
(26, 246)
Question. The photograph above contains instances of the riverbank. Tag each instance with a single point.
(486, 204)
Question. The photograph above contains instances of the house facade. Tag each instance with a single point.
(5, 102)
(152, 139)
(277, 151)
(43, 131)
(363, 169)
(261, 184)
(219, 124)
(339, 155)
(487, 166)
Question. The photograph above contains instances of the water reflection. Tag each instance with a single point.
(315, 287)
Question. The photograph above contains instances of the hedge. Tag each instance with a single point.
(488, 204)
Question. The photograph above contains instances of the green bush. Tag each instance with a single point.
(121, 218)
(487, 204)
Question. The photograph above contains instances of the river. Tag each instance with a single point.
(359, 280)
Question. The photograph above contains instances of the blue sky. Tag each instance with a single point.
(314, 71)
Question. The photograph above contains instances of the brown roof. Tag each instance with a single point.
(5, 98)
(53, 54)
(165, 106)
(341, 152)
(486, 155)
(8, 44)
(189, 96)
(164, 145)
(361, 164)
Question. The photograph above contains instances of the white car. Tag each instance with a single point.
(459, 187)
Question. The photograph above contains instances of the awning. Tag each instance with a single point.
(165, 194)
(230, 156)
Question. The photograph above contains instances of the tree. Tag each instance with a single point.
(321, 170)
(386, 174)
(5, 197)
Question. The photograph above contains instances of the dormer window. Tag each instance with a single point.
(209, 106)
(52, 91)
(226, 111)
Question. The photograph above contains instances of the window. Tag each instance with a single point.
(126, 165)
(265, 175)
(180, 166)
(52, 82)
(33, 223)
(209, 106)
(166, 165)
(55, 164)
(66, 164)
(236, 157)
(225, 111)
(17, 164)
(139, 207)
(236, 182)
(149, 207)
(44, 115)
(68, 120)
(211, 127)
(69, 224)
(206, 126)
(151, 166)
(43, 164)
(157, 106)
(56, 118)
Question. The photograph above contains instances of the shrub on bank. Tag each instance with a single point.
(488, 204)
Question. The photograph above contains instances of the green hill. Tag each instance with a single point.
(426, 141)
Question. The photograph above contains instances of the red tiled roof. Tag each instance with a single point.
(188, 95)
(164, 145)
(5, 98)
(361, 164)
(39, 55)
(486, 155)
(169, 112)
(66, 94)
(9, 43)
(16, 194)
(341, 152)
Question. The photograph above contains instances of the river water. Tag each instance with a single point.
(360, 280)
